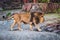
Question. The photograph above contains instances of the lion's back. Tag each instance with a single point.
(16, 17)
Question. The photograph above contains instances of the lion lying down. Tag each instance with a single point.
(26, 18)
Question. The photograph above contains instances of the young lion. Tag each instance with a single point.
(25, 18)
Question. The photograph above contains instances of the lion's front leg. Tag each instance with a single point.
(36, 25)
(13, 25)
(31, 28)
(41, 19)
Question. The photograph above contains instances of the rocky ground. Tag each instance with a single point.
(50, 29)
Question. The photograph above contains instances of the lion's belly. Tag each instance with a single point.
(25, 18)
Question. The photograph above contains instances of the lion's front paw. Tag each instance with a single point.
(21, 29)
(39, 30)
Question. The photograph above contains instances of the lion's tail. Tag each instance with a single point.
(11, 16)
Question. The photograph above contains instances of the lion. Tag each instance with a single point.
(26, 18)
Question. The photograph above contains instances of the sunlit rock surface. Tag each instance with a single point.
(26, 34)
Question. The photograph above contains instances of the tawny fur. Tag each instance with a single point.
(25, 17)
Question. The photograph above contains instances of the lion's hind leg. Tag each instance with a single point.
(19, 26)
(13, 25)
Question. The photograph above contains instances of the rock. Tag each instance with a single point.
(28, 35)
